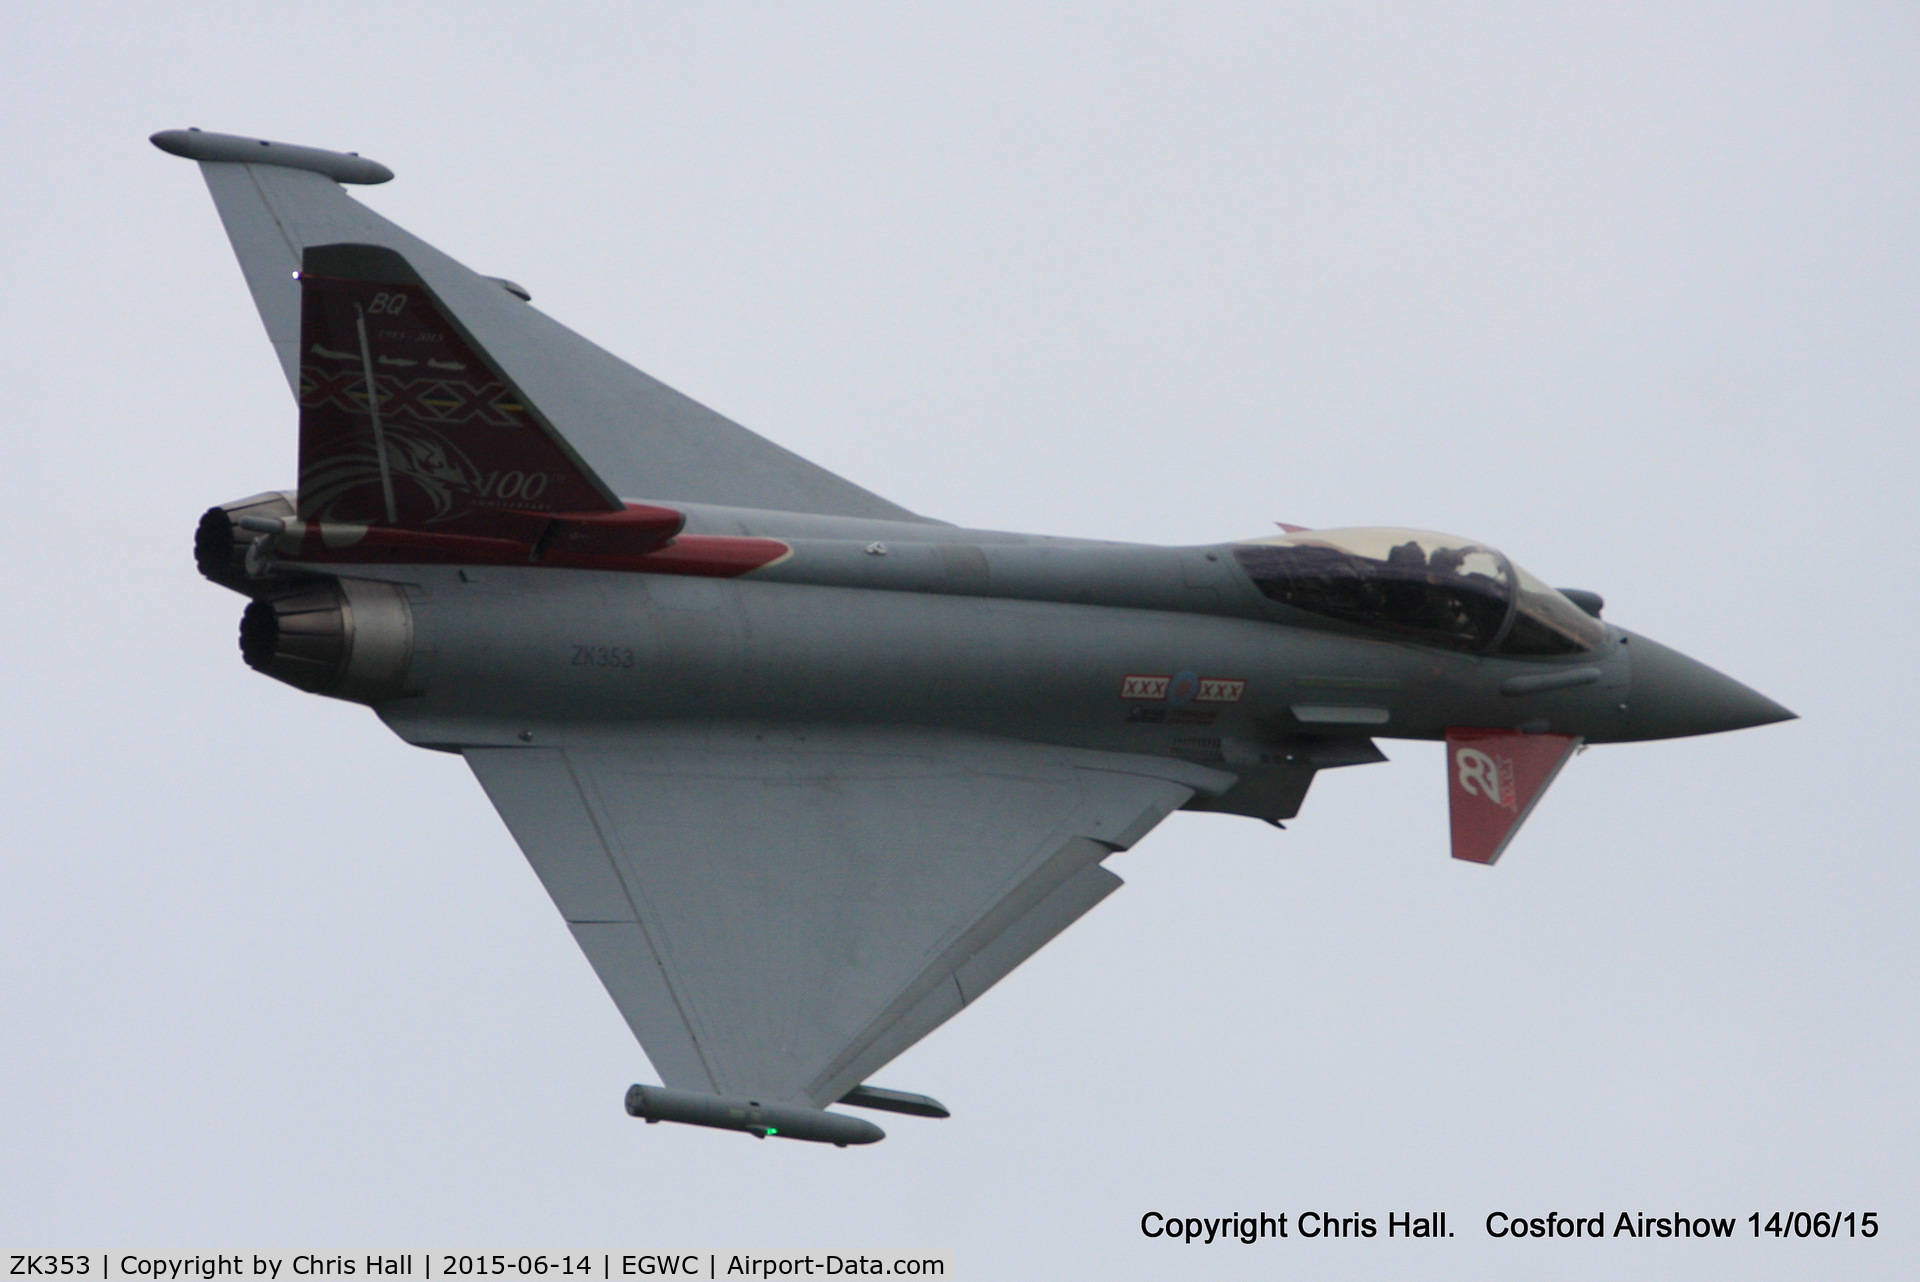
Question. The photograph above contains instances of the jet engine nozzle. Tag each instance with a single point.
(348, 638)
(221, 542)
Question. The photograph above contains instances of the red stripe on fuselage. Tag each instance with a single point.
(702, 555)
(712, 556)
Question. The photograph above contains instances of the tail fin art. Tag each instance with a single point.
(405, 423)
(416, 448)
(624, 432)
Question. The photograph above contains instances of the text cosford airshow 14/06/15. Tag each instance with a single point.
(1249, 1229)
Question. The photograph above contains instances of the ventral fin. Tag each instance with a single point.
(1495, 777)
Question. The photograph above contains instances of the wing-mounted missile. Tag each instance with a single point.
(1494, 780)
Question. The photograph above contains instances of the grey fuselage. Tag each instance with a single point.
(903, 623)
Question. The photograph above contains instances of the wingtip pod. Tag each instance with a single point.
(755, 1117)
(341, 166)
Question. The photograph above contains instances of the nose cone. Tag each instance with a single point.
(1673, 695)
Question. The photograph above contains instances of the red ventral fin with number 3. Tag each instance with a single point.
(405, 423)
(1494, 779)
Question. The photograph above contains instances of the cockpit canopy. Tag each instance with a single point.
(1437, 589)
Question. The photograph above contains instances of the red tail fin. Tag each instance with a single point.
(1494, 780)
(405, 422)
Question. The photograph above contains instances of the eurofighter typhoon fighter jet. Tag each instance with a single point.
(804, 772)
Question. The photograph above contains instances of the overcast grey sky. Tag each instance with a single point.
(1628, 290)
